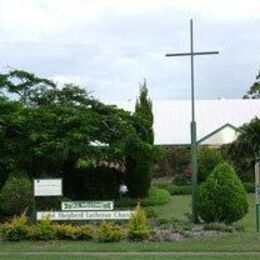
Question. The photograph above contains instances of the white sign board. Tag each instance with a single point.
(83, 215)
(48, 187)
(87, 205)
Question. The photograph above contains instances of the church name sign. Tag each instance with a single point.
(84, 215)
(87, 205)
(75, 210)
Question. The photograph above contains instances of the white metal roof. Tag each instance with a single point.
(172, 117)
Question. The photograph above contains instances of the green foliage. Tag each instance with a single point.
(249, 187)
(138, 226)
(86, 232)
(108, 232)
(70, 232)
(244, 147)
(222, 227)
(151, 212)
(92, 183)
(143, 110)
(138, 178)
(28, 87)
(222, 197)
(175, 189)
(208, 159)
(254, 91)
(16, 230)
(19, 229)
(58, 127)
(43, 230)
(67, 232)
(49, 203)
(16, 194)
(175, 163)
(155, 197)
(139, 164)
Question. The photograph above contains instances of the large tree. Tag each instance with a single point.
(50, 131)
(254, 91)
(143, 109)
(139, 164)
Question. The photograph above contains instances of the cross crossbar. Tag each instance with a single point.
(194, 179)
(191, 53)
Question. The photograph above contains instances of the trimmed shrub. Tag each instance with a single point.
(222, 197)
(108, 232)
(208, 159)
(16, 230)
(16, 194)
(138, 226)
(175, 189)
(180, 190)
(155, 197)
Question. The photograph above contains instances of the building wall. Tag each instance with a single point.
(224, 136)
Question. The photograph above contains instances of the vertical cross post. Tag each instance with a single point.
(257, 188)
(194, 181)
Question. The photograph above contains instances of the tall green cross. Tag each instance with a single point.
(194, 181)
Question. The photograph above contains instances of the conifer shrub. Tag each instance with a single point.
(208, 159)
(107, 232)
(222, 197)
(15, 230)
(44, 230)
(67, 232)
(16, 195)
(138, 226)
(86, 232)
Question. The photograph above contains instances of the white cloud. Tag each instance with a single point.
(109, 46)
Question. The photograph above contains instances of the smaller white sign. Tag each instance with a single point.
(87, 205)
(83, 215)
(48, 187)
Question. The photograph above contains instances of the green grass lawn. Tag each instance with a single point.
(247, 241)
(181, 204)
(134, 256)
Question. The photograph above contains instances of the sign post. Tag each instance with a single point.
(74, 210)
(45, 187)
(84, 215)
(87, 205)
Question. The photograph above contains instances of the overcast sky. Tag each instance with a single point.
(109, 47)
